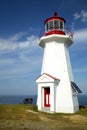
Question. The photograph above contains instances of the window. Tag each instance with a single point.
(50, 25)
(61, 25)
(56, 24)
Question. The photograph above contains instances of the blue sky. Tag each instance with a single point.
(20, 56)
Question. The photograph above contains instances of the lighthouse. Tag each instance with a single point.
(57, 91)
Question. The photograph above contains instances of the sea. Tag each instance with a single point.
(18, 99)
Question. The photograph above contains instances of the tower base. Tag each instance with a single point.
(56, 96)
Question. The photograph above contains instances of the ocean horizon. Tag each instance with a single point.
(18, 99)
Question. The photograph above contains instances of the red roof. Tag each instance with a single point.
(55, 17)
(49, 76)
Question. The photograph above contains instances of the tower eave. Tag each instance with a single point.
(55, 37)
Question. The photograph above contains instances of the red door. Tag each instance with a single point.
(47, 97)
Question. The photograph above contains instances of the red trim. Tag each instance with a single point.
(55, 32)
(51, 76)
(54, 18)
(47, 75)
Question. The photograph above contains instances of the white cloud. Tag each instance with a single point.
(18, 57)
(17, 36)
(80, 40)
(81, 70)
(30, 41)
(14, 42)
(77, 16)
(6, 44)
(15, 68)
(81, 35)
(82, 16)
(7, 61)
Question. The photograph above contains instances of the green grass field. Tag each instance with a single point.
(26, 117)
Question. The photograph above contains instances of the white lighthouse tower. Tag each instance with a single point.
(57, 91)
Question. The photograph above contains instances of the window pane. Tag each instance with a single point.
(56, 24)
(50, 25)
(61, 25)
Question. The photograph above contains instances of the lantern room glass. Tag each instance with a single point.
(54, 25)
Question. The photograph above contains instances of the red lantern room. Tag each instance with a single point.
(55, 25)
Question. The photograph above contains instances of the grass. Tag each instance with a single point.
(26, 117)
